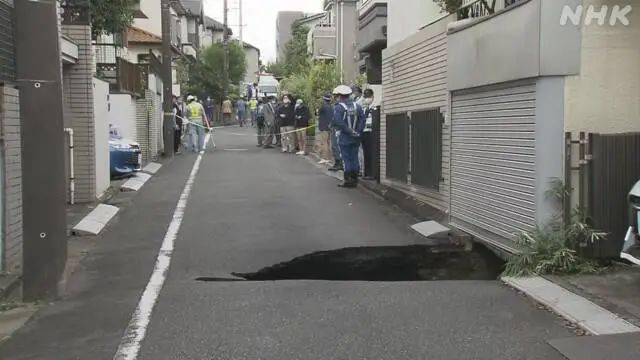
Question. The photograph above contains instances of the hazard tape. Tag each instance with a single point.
(238, 134)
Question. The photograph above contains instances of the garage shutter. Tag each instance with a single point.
(493, 160)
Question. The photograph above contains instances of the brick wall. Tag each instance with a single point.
(149, 125)
(78, 94)
(12, 182)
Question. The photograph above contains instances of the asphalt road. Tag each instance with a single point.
(251, 208)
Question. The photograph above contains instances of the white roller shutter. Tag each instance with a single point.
(493, 161)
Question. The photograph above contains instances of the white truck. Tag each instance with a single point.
(267, 86)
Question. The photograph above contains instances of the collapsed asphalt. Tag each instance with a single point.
(251, 210)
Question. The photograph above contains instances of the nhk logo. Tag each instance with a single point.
(578, 15)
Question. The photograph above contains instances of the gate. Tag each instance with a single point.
(426, 148)
(375, 114)
(398, 147)
(615, 168)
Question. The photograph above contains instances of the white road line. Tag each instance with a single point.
(131, 342)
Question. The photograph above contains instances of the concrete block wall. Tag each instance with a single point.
(12, 182)
(78, 93)
(143, 106)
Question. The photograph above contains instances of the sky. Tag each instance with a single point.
(259, 18)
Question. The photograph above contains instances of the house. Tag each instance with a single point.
(372, 38)
(414, 139)
(483, 107)
(509, 125)
(335, 37)
(312, 20)
(213, 32)
(252, 57)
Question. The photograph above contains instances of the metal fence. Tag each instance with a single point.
(375, 115)
(7, 42)
(426, 148)
(614, 168)
(398, 147)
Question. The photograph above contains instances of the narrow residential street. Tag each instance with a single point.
(249, 209)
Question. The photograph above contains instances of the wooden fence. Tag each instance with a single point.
(614, 169)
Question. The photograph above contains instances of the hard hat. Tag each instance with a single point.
(190, 98)
(343, 90)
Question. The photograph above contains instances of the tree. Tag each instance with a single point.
(296, 56)
(111, 16)
(311, 85)
(277, 69)
(207, 74)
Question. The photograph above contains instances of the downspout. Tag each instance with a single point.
(341, 41)
(72, 175)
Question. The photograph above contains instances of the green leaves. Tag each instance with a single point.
(111, 16)
(206, 76)
(311, 83)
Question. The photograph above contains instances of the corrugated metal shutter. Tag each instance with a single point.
(493, 160)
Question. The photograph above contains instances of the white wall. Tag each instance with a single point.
(131, 55)
(122, 115)
(604, 97)
(100, 111)
(153, 23)
(253, 64)
(406, 17)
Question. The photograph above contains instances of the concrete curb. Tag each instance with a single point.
(136, 182)
(97, 219)
(584, 313)
(152, 168)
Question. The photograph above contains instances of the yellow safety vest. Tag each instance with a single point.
(195, 112)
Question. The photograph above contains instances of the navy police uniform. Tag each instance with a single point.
(349, 122)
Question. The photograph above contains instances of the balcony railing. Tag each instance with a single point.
(471, 9)
(121, 75)
(75, 12)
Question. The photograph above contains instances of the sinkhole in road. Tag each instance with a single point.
(406, 263)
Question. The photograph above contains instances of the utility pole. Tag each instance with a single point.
(167, 79)
(241, 26)
(226, 49)
(43, 145)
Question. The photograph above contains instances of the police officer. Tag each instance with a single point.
(349, 121)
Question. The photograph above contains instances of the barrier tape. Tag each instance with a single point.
(236, 134)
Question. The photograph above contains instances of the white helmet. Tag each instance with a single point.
(190, 98)
(343, 90)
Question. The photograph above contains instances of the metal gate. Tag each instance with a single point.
(493, 161)
(426, 148)
(615, 168)
(375, 114)
(398, 147)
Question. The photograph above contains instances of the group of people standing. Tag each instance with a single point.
(344, 129)
(283, 124)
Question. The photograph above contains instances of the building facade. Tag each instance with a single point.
(482, 109)
(284, 22)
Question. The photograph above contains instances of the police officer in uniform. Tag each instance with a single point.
(349, 121)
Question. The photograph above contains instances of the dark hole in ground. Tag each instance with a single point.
(408, 263)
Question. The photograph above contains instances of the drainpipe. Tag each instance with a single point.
(341, 41)
(72, 175)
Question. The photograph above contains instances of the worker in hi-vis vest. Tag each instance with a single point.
(197, 124)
